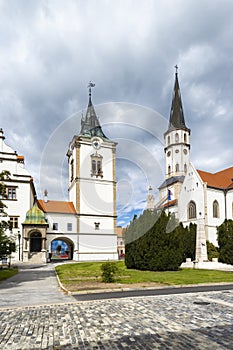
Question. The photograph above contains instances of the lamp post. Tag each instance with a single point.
(19, 237)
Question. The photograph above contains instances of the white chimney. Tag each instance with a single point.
(45, 196)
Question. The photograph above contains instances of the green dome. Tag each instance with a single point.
(35, 216)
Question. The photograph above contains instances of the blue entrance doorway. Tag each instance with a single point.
(61, 249)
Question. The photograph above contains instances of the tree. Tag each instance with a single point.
(163, 247)
(7, 244)
(225, 242)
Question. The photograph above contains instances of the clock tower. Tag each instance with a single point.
(92, 188)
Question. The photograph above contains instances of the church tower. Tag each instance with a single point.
(177, 137)
(92, 188)
(177, 153)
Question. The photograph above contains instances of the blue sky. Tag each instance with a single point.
(49, 53)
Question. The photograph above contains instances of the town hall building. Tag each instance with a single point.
(86, 223)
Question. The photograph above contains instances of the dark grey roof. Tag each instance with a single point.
(171, 181)
(176, 120)
(90, 125)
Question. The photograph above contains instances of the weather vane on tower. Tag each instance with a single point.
(176, 67)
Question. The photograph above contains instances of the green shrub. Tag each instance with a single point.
(212, 251)
(109, 270)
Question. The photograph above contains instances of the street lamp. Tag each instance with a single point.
(19, 237)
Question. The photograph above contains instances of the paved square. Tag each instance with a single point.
(190, 321)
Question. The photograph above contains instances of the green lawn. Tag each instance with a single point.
(6, 273)
(75, 274)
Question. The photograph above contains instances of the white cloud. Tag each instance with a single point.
(49, 52)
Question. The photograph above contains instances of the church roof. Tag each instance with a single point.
(56, 207)
(35, 216)
(176, 120)
(222, 179)
(171, 181)
(90, 125)
(169, 204)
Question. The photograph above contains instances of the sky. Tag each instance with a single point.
(51, 49)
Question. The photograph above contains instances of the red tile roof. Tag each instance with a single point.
(56, 207)
(222, 179)
(169, 204)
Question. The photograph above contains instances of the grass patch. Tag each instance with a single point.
(73, 275)
(6, 273)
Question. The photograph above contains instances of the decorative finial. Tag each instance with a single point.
(90, 85)
(176, 67)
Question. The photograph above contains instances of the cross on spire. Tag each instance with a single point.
(176, 67)
(90, 85)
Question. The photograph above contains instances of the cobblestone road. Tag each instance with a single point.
(192, 321)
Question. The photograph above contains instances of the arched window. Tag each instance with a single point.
(177, 137)
(215, 209)
(185, 168)
(177, 168)
(192, 211)
(185, 138)
(168, 140)
(169, 169)
(96, 165)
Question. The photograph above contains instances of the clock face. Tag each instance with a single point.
(96, 143)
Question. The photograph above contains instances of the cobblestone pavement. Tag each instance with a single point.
(191, 321)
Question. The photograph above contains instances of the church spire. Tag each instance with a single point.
(90, 125)
(176, 120)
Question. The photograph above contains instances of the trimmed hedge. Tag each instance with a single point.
(163, 247)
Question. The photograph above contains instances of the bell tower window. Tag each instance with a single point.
(185, 138)
(176, 137)
(177, 168)
(96, 165)
(168, 140)
(169, 169)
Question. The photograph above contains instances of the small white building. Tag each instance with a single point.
(62, 221)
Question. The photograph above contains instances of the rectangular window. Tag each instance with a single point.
(97, 225)
(72, 170)
(69, 226)
(93, 167)
(14, 222)
(55, 226)
(11, 193)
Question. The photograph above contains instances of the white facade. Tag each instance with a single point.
(63, 226)
(205, 197)
(177, 152)
(94, 196)
(20, 191)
